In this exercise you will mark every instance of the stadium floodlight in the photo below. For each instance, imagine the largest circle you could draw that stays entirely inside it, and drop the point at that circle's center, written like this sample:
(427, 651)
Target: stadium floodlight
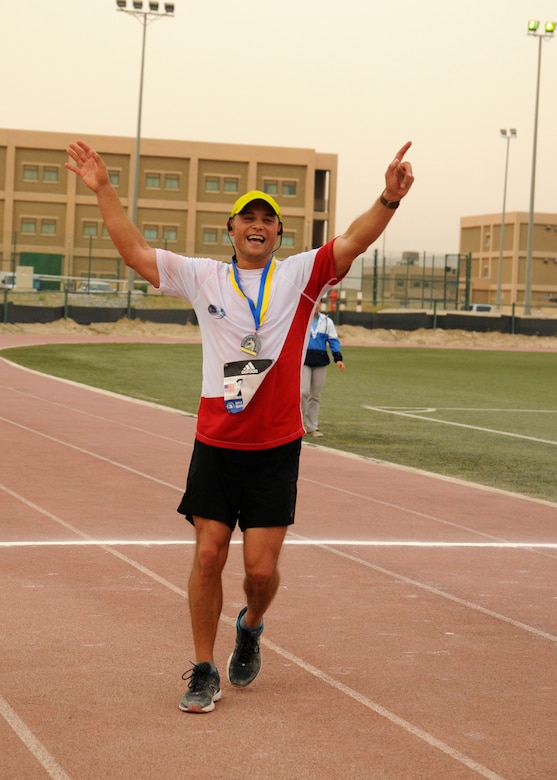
(507, 135)
(549, 29)
(144, 16)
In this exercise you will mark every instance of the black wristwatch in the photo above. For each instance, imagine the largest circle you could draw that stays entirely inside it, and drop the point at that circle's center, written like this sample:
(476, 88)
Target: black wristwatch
(390, 204)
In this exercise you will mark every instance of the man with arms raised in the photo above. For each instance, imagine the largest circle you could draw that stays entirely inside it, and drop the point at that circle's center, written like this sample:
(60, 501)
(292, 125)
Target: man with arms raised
(254, 316)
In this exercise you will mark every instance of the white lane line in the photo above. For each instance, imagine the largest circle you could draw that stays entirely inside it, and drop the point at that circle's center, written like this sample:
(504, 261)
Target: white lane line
(458, 425)
(96, 455)
(109, 420)
(292, 542)
(462, 409)
(34, 745)
(437, 592)
(410, 728)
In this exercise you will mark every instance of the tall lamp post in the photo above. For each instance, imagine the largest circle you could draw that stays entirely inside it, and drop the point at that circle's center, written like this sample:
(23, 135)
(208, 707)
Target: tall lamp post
(150, 14)
(549, 29)
(507, 136)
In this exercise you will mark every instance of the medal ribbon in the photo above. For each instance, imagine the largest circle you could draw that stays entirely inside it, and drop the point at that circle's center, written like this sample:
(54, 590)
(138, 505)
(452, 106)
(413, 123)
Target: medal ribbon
(259, 309)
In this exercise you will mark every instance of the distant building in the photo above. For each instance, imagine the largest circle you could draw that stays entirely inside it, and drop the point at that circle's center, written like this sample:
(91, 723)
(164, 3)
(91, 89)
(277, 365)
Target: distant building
(480, 237)
(49, 219)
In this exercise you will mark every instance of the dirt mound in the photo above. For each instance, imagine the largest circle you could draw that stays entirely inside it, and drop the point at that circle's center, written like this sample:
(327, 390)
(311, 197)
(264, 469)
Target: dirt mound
(349, 335)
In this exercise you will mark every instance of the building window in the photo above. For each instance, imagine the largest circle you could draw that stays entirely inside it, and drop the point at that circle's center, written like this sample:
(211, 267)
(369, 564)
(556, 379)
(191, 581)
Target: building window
(50, 174)
(210, 235)
(288, 239)
(487, 240)
(31, 173)
(270, 187)
(90, 229)
(153, 181)
(28, 225)
(231, 185)
(151, 233)
(171, 181)
(225, 238)
(114, 177)
(289, 189)
(170, 233)
(212, 184)
(48, 227)
(104, 232)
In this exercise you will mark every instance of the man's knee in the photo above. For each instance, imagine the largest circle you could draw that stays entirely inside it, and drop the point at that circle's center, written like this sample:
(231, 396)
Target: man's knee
(211, 550)
(209, 561)
(260, 576)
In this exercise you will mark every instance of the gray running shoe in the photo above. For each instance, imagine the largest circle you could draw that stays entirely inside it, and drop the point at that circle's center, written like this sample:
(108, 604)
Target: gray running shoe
(245, 662)
(203, 689)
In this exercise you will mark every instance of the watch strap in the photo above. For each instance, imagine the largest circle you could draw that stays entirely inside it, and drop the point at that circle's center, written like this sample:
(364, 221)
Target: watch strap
(389, 204)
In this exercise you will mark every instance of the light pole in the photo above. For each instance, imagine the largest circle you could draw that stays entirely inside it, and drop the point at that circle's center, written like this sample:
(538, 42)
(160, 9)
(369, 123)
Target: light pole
(507, 136)
(151, 14)
(549, 29)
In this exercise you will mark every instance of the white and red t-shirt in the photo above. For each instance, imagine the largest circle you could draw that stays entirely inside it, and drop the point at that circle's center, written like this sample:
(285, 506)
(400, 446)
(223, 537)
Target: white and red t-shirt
(268, 383)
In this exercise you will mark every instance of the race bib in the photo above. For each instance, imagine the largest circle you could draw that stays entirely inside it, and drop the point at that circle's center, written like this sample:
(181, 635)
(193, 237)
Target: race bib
(242, 380)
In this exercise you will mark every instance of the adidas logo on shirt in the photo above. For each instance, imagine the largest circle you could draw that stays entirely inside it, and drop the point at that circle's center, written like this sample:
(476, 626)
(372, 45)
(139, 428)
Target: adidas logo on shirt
(249, 368)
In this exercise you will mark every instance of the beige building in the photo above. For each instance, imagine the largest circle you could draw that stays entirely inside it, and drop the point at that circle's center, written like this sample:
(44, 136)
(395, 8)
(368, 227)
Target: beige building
(49, 219)
(481, 237)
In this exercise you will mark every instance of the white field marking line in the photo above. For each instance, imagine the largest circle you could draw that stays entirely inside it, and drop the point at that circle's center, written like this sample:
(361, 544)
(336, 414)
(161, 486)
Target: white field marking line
(384, 410)
(410, 728)
(83, 451)
(438, 592)
(461, 409)
(291, 542)
(45, 759)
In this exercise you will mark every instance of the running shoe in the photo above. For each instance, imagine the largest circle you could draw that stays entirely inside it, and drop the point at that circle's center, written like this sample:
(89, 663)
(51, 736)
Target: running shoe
(203, 689)
(245, 662)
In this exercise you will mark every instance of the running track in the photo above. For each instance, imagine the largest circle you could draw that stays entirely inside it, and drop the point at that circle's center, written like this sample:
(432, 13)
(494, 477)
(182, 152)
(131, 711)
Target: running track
(414, 634)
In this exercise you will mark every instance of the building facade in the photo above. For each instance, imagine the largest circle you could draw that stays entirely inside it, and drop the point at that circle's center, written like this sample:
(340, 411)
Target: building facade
(49, 219)
(481, 238)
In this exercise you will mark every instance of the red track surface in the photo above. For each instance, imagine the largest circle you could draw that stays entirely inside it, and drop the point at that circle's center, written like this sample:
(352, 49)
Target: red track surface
(414, 634)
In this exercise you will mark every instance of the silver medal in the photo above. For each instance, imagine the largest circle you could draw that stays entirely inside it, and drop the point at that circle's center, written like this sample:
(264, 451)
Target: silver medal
(251, 344)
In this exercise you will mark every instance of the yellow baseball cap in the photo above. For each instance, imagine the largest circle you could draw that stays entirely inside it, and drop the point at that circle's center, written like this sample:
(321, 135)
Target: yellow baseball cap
(252, 195)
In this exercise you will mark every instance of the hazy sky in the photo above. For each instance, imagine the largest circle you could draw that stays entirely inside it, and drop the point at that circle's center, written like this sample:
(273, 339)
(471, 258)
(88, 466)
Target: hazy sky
(352, 77)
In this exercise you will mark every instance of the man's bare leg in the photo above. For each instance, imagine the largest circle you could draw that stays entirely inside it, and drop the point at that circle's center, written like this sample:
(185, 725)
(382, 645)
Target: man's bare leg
(262, 548)
(205, 584)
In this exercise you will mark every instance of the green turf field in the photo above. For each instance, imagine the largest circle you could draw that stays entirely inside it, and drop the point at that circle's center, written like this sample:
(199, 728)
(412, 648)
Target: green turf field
(485, 416)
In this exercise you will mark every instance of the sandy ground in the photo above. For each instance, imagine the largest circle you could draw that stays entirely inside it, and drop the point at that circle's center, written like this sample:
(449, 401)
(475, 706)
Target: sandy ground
(349, 335)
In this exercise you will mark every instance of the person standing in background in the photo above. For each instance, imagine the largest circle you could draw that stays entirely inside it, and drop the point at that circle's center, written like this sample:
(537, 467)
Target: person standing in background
(314, 371)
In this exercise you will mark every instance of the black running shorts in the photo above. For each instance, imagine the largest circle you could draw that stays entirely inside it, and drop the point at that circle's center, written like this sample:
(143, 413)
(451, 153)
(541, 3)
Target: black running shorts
(254, 488)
